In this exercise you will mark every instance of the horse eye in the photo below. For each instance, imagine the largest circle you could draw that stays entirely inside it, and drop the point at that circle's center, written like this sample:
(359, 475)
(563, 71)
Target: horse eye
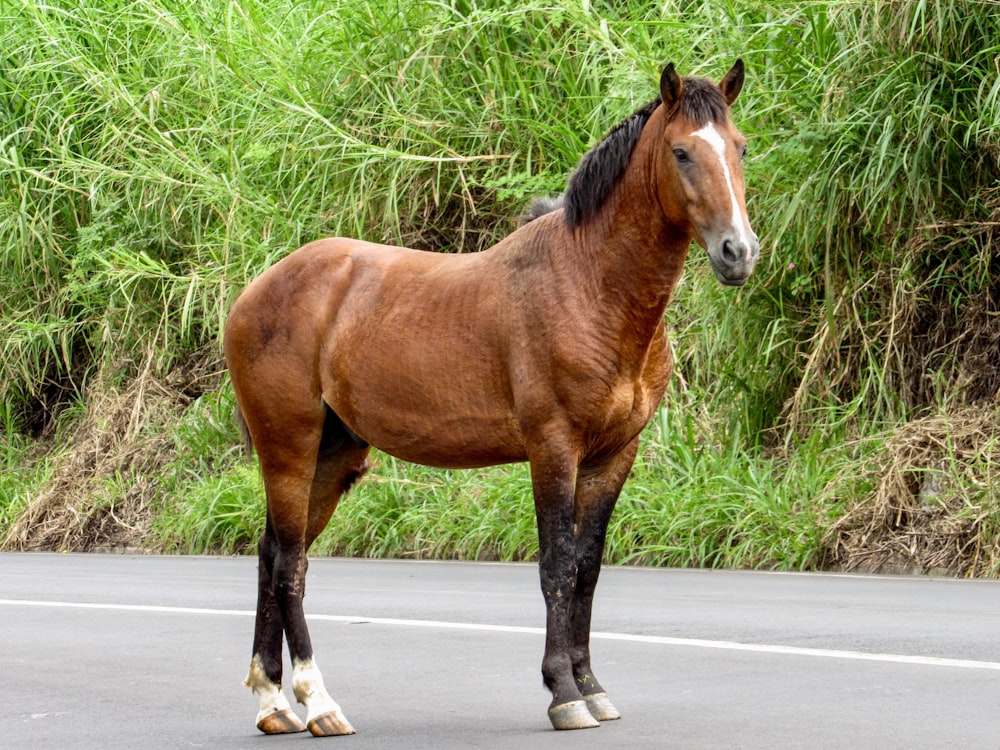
(743, 153)
(681, 155)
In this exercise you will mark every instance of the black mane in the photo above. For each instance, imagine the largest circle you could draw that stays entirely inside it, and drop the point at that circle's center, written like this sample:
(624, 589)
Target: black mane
(600, 168)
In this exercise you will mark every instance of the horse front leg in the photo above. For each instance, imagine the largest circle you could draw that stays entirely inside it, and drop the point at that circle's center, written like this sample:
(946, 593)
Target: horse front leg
(553, 483)
(597, 491)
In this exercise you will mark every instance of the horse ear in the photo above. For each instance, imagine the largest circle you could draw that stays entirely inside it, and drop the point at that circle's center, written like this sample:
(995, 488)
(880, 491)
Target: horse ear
(732, 82)
(671, 87)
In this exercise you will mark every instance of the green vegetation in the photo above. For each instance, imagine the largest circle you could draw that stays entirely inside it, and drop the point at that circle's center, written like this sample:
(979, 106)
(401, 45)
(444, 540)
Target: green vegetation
(156, 155)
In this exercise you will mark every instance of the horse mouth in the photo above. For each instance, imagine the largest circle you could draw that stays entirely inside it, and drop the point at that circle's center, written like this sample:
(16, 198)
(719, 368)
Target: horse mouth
(734, 261)
(733, 282)
(731, 276)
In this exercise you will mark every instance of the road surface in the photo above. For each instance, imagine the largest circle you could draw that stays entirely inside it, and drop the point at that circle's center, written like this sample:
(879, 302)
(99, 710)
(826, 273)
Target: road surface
(107, 651)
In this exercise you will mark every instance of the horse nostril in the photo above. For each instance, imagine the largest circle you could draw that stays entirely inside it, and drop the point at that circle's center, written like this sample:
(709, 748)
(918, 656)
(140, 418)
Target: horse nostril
(730, 254)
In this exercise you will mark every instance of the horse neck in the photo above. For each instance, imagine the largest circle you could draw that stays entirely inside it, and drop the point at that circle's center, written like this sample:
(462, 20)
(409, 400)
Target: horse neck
(629, 252)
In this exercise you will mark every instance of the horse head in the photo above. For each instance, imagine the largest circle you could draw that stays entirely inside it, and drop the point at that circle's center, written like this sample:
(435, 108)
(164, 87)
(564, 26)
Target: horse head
(699, 170)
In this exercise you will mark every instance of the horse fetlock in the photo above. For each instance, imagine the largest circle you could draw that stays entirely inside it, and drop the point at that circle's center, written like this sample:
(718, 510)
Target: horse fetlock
(275, 715)
(588, 684)
(324, 715)
(307, 683)
(258, 681)
(598, 703)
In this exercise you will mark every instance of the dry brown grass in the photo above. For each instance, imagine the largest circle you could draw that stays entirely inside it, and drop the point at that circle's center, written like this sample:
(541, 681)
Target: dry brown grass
(104, 483)
(934, 503)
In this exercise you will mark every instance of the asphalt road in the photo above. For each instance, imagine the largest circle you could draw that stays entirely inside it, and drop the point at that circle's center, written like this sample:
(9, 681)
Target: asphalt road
(102, 652)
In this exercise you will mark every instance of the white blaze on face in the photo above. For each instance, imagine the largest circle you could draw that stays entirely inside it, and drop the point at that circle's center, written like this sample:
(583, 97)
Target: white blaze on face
(711, 136)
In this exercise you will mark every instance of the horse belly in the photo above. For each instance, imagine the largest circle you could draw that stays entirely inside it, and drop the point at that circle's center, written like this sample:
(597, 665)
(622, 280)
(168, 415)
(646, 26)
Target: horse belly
(449, 451)
(413, 361)
(422, 410)
(435, 433)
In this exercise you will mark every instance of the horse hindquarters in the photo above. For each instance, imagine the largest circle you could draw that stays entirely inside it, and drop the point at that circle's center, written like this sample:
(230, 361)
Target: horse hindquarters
(307, 461)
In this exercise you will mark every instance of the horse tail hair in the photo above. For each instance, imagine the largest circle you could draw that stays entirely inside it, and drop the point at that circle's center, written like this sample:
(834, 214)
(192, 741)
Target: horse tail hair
(541, 206)
(241, 422)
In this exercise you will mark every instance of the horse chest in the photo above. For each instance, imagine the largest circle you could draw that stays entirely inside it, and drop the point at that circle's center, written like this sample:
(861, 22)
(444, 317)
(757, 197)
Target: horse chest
(621, 405)
(622, 402)
(619, 415)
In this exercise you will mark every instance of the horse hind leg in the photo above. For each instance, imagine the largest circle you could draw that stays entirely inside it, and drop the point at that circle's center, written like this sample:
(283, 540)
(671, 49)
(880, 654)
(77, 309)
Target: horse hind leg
(341, 461)
(304, 479)
(264, 678)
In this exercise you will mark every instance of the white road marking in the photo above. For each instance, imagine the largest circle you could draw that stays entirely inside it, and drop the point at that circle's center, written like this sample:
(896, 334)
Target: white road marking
(924, 661)
(711, 136)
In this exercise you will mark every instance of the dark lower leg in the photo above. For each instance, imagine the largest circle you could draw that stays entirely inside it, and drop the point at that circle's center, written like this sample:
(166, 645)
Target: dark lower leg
(324, 716)
(558, 579)
(596, 494)
(289, 577)
(336, 469)
(268, 627)
(275, 715)
(589, 551)
(557, 571)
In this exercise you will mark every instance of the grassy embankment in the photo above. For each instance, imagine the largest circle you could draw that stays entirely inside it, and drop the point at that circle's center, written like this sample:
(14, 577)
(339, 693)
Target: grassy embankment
(156, 155)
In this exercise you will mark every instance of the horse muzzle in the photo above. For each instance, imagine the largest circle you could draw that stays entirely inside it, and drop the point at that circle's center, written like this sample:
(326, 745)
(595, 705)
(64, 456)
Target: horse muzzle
(734, 258)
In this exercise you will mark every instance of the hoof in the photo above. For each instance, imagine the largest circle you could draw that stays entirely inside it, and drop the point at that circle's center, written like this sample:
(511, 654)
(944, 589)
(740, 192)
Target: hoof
(281, 722)
(601, 707)
(572, 715)
(330, 724)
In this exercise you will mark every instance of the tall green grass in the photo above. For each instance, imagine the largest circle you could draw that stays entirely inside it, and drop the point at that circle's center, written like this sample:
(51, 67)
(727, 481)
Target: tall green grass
(157, 155)
(895, 173)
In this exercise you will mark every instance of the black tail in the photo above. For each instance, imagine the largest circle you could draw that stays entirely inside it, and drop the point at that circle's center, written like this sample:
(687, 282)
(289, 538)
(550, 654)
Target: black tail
(241, 422)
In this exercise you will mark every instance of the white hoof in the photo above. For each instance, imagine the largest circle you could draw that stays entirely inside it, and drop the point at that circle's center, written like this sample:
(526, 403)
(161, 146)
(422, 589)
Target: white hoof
(601, 707)
(572, 715)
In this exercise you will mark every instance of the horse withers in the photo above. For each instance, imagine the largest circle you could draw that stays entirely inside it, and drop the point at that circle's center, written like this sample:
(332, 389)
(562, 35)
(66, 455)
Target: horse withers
(548, 348)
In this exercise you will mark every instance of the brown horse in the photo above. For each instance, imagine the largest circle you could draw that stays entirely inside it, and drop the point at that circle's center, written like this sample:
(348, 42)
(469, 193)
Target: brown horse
(548, 348)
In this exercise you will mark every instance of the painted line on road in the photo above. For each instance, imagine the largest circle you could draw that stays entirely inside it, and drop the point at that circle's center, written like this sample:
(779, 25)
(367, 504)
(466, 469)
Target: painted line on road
(925, 661)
